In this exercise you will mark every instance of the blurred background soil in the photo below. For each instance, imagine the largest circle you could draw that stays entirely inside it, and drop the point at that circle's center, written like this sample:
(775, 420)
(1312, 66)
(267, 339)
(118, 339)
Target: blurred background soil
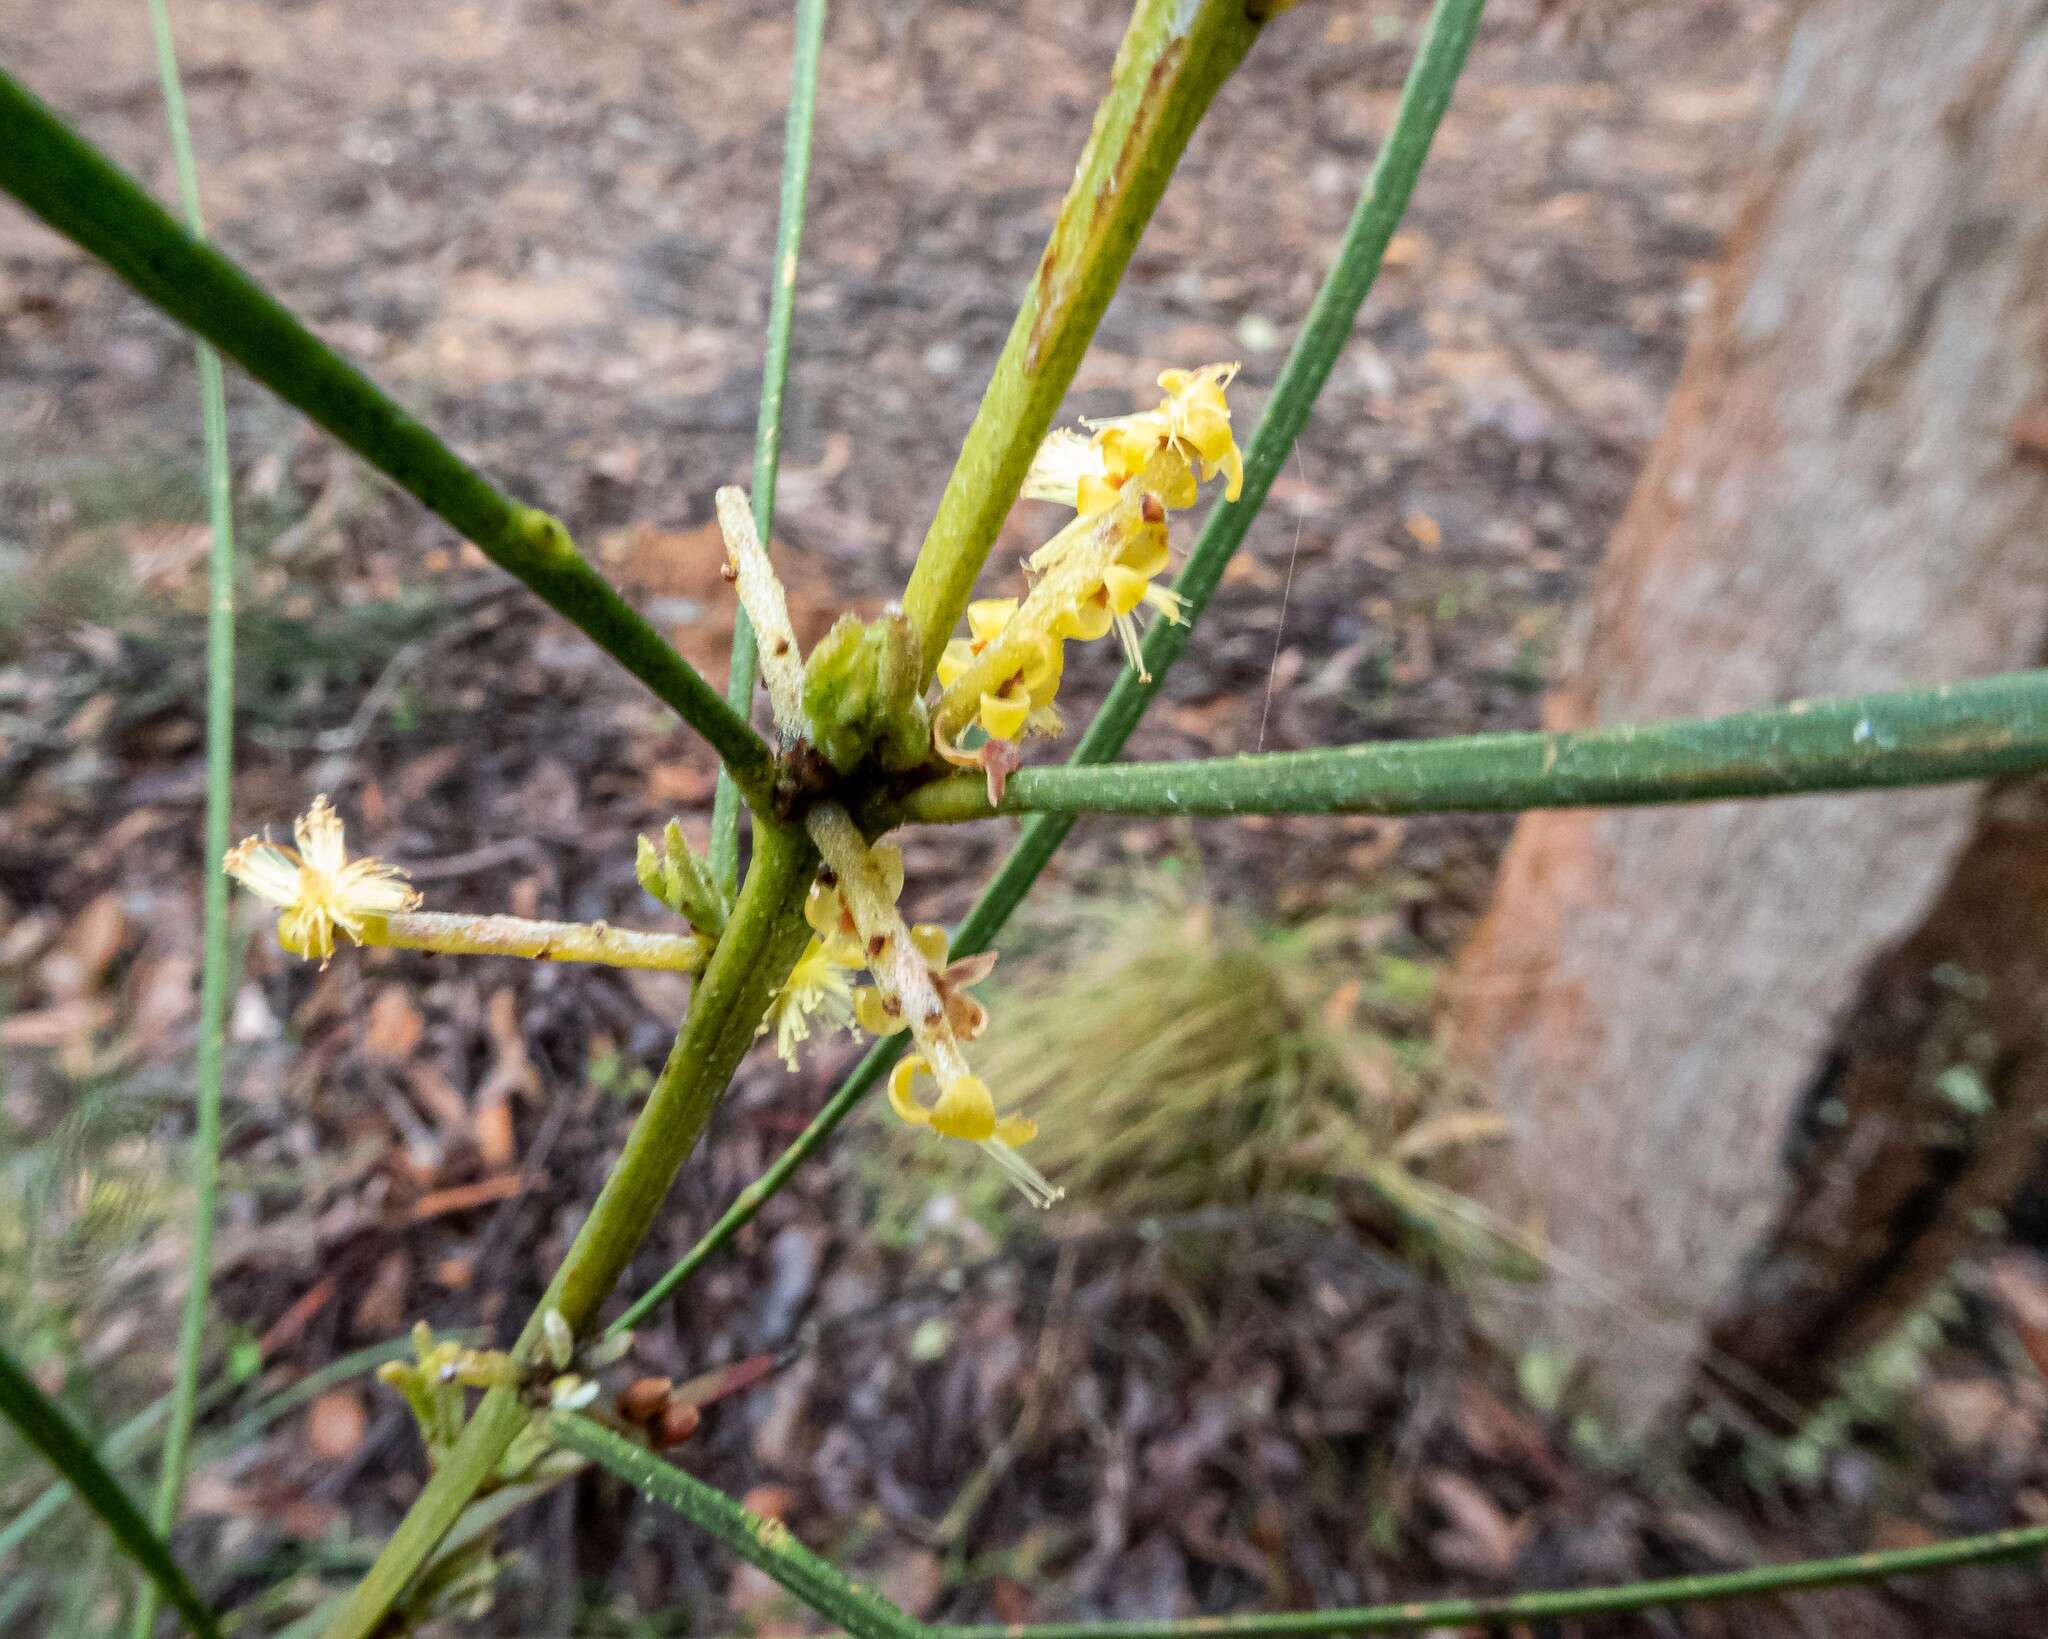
(1236, 1371)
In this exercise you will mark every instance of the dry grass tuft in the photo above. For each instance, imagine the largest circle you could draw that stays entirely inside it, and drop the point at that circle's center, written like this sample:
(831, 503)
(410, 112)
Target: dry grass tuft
(1179, 1056)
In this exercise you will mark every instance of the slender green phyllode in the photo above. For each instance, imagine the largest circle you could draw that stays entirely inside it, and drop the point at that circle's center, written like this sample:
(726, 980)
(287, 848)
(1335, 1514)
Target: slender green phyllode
(1439, 59)
(1985, 729)
(44, 1426)
(220, 751)
(1559, 1605)
(789, 233)
(1174, 56)
(83, 195)
(765, 1544)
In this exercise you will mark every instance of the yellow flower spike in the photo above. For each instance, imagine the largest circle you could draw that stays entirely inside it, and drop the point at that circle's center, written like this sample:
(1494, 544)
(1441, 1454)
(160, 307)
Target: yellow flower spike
(901, 1099)
(316, 886)
(965, 1110)
(1002, 716)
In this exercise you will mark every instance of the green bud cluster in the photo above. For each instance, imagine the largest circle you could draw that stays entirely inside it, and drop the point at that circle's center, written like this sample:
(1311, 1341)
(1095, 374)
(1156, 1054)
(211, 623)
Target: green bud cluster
(677, 878)
(864, 695)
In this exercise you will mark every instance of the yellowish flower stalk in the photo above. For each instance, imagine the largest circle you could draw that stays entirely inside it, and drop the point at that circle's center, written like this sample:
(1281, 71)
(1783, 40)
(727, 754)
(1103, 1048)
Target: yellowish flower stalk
(320, 891)
(915, 989)
(909, 988)
(452, 934)
(782, 663)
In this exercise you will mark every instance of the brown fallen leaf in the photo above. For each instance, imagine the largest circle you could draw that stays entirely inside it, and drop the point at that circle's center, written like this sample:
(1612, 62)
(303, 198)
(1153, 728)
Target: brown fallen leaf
(335, 1424)
(393, 1027)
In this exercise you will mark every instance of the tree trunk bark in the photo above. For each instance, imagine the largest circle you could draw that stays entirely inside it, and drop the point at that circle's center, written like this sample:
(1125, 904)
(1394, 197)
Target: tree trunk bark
(1919, 1129)
(1847, 494)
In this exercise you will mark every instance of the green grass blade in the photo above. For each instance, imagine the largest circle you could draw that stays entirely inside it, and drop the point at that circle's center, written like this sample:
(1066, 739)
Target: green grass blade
(789, 234)
(82, 194)
(220, 752)
(45, 1427)
(1446, 42)
(1562, 1605)
(128, 1439)
(1985, 729)
(765, 1544)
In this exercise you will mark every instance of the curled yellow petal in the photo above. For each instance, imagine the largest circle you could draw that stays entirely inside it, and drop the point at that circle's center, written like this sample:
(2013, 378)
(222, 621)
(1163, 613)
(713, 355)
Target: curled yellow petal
(1126, 588)
(901, 1100)
(1231, 465)
(1145, 551)
(966, 1109)
(1088, 620)
(871, 1011)
(1003, 716)
(958, 656)
(930, 940)
(986, 617)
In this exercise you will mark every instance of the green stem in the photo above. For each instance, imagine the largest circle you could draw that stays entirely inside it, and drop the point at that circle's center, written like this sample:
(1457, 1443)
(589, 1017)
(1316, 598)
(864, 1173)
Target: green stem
(1557, 1606)
(761, 943)
(1438, 61)
(1989, 728)
(220, 755)
(1174, 56)
(45, 1427)
(762, 1543)
(789, 234)
(83, 195)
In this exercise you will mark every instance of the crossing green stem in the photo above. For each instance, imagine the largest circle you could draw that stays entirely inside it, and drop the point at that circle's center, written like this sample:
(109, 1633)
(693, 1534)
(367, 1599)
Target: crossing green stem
(1962, 731)
(789, 233)
(81, 193)
(220, 756)
(765, 1544)
(1439, 58)
(1557, 1606)
(42, 1423)
(760, 944)
(1173, 57)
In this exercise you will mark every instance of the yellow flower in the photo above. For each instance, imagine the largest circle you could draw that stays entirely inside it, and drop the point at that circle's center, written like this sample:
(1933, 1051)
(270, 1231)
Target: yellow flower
(965, 1109)
(817, 988)
(1023, 700)
(1194, 418)
(1073, 471)
(316, 886)
(1198, 420)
